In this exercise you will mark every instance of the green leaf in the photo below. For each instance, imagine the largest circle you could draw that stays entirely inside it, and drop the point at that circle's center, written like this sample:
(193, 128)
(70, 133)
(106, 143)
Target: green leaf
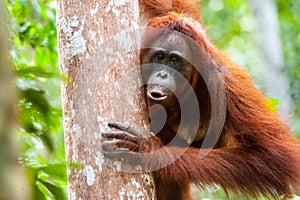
(272, 104)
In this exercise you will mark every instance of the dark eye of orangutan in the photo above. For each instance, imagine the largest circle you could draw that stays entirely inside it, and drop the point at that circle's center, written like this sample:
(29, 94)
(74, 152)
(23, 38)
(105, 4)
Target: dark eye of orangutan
(174, 60)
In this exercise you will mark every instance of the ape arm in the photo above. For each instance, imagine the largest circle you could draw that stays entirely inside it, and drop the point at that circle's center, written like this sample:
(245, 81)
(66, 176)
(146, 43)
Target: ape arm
(242, 170)
(248, 169)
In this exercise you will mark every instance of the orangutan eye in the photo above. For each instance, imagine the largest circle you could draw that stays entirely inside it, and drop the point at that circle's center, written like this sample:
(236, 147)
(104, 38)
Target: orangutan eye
(173, 60)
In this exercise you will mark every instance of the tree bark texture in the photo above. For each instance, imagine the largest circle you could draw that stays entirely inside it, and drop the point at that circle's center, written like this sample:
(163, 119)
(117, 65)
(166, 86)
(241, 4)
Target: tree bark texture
(98, 56)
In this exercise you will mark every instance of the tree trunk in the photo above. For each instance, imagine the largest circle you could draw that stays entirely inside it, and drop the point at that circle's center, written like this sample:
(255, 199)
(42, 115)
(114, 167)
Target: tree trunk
(268, 39)
(101, 83)
(13, 184)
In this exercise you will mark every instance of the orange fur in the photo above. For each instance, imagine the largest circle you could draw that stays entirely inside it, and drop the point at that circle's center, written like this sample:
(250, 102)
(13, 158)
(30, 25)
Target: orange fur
(152, 8)
(256, 155)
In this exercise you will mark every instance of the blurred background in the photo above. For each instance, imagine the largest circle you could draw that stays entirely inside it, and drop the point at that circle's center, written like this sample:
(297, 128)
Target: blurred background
(262, 36)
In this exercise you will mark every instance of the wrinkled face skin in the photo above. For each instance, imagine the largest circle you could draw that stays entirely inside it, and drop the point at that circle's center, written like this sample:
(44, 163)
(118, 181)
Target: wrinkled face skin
(165, 69)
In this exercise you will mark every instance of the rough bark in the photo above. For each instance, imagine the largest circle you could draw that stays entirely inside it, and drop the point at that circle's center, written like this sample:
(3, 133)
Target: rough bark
(268, 39)
(13, 185)
(99, 65)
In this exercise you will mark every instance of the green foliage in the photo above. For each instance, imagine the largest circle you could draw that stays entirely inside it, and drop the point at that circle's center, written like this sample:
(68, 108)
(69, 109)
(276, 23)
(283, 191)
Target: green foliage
(272, 104)
(289, 15)
(34, 59)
